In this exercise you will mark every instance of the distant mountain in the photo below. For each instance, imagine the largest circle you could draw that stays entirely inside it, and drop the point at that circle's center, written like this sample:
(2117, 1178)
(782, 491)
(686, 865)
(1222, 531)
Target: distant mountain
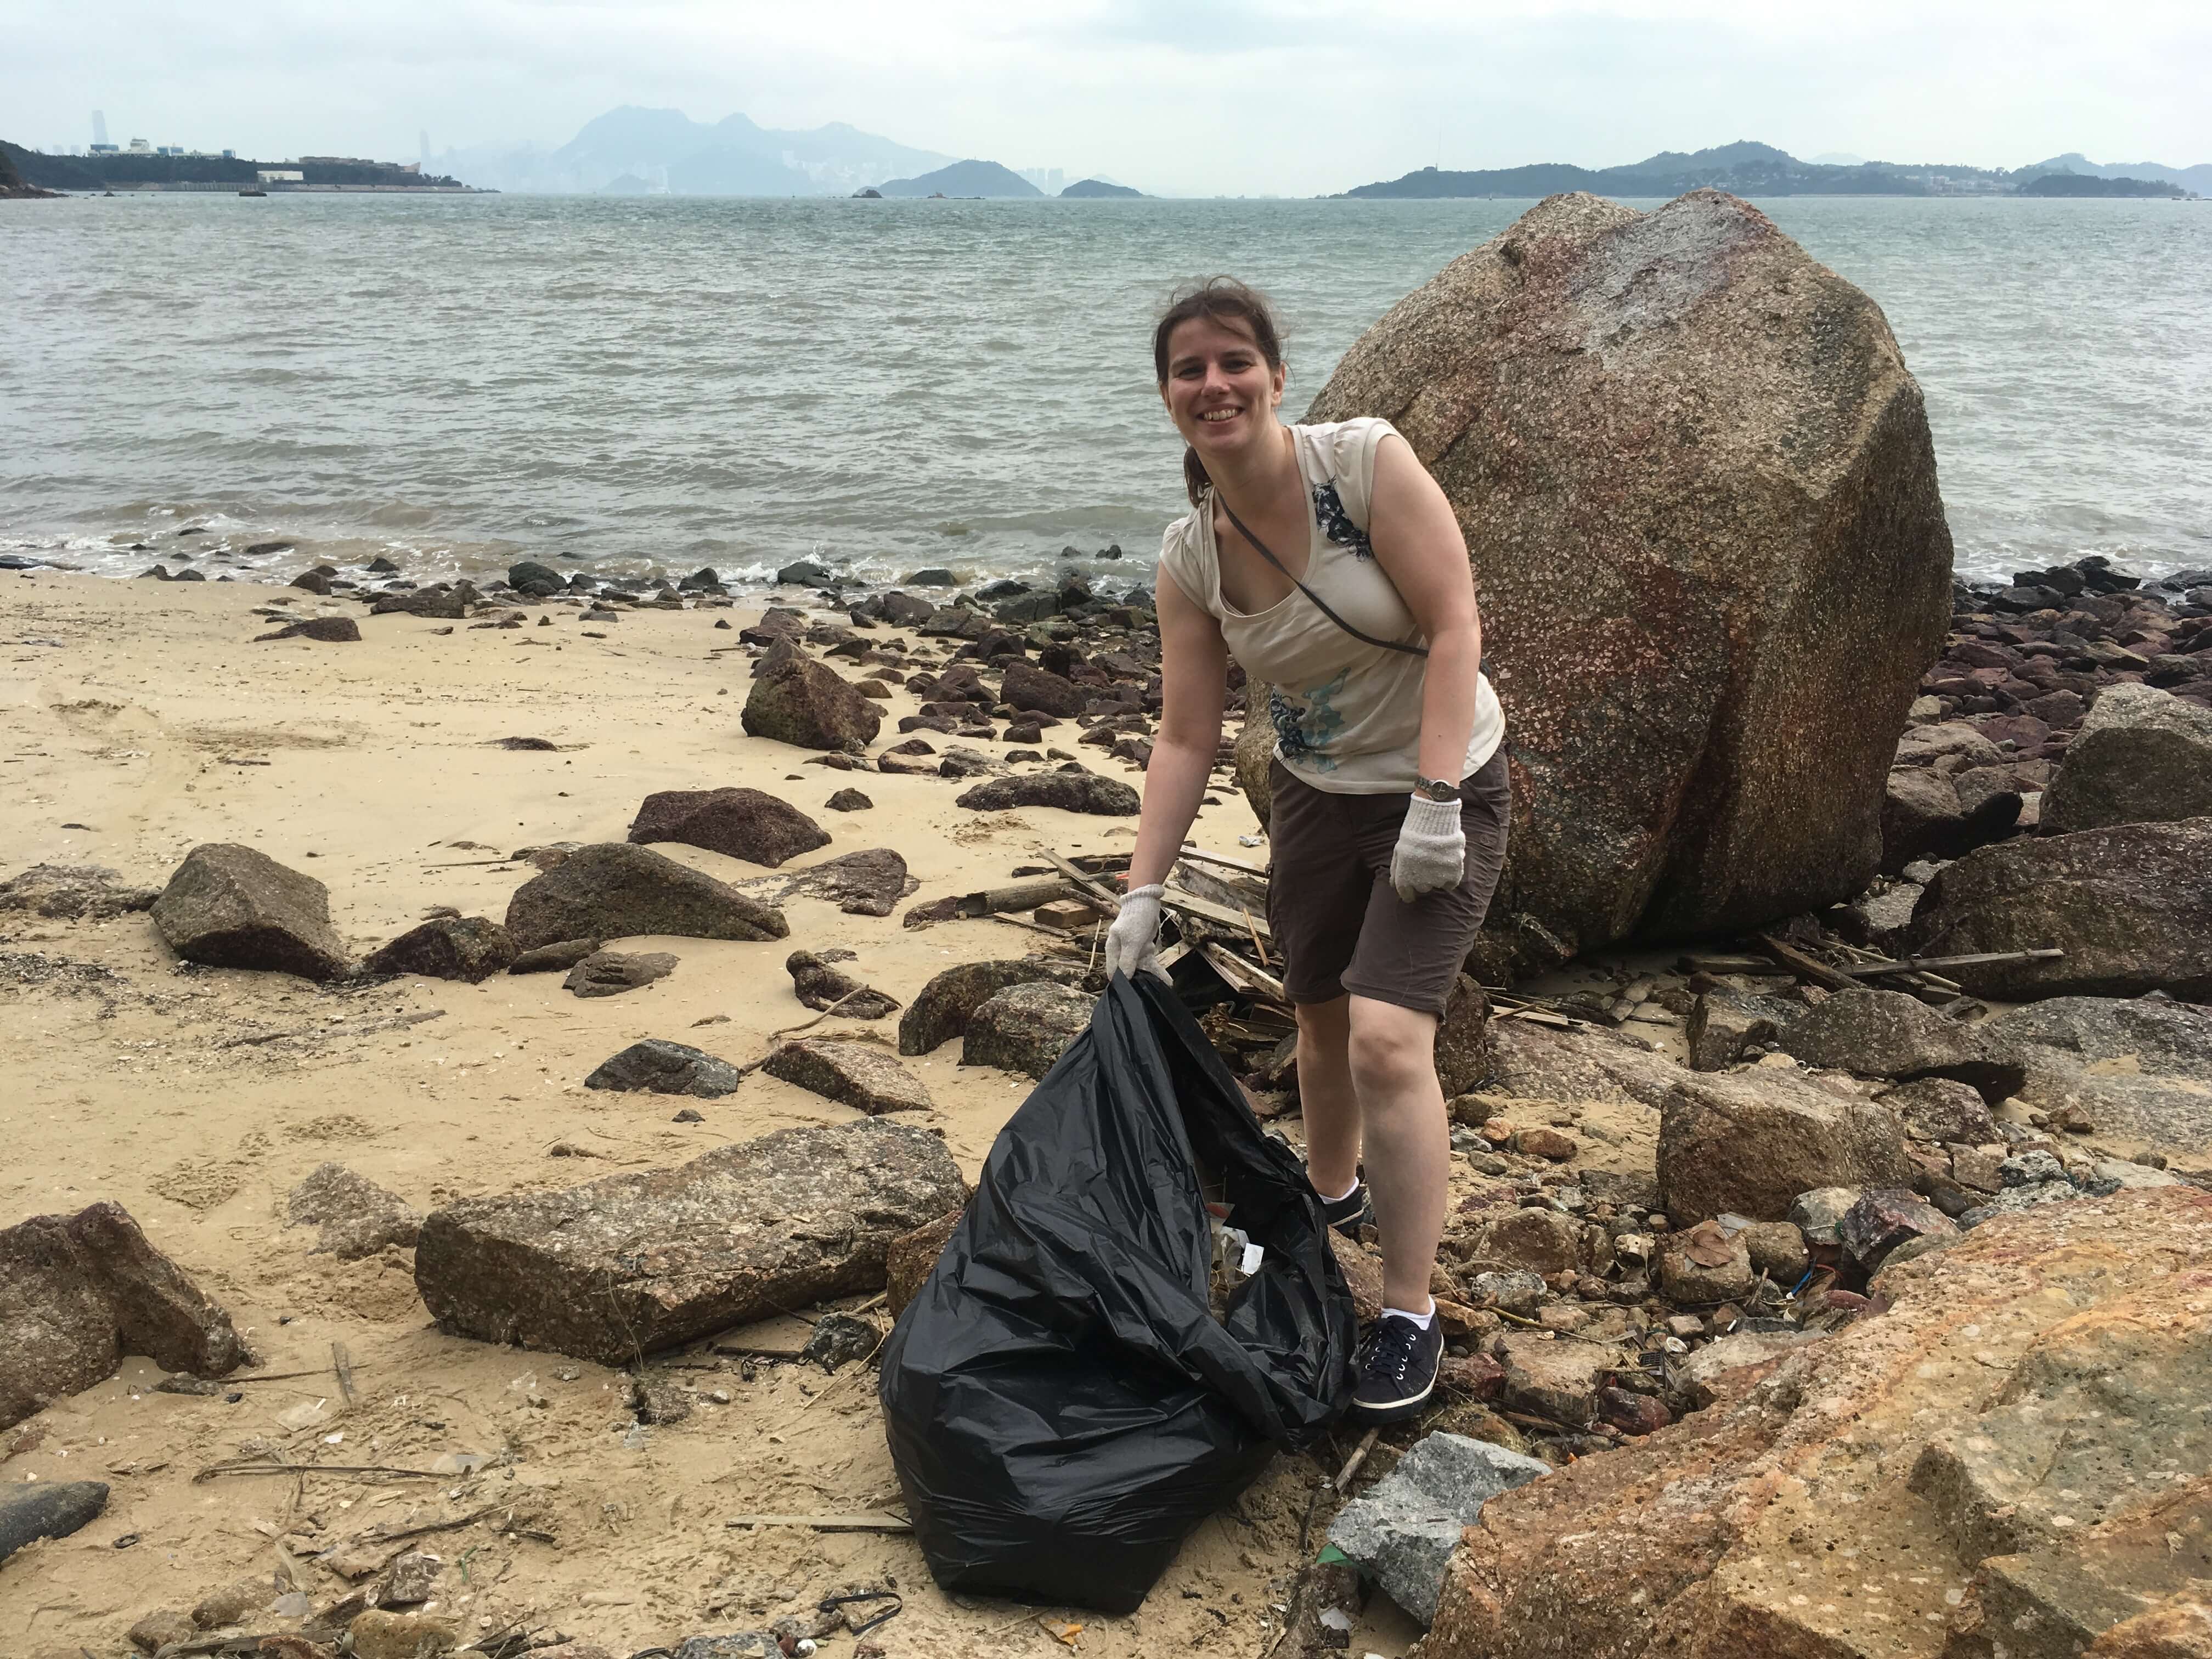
(2197, 178)
(1098, 187)
(964, 179)
(1754, 169)
(632, 149)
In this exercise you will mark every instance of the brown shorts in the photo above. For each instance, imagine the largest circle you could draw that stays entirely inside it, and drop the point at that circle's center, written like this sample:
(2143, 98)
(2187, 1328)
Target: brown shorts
(1338, 924)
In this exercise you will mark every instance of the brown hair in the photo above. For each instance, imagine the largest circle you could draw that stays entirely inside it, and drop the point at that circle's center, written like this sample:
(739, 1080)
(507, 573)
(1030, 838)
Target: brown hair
(1220, 300)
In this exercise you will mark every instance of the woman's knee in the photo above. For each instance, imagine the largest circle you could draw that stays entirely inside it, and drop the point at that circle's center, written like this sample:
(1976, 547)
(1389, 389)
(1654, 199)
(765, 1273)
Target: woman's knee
(1391, 1049)
(1326, 1023)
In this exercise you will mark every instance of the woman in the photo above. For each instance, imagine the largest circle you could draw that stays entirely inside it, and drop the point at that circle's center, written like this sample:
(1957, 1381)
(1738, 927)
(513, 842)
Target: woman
(1328, 561)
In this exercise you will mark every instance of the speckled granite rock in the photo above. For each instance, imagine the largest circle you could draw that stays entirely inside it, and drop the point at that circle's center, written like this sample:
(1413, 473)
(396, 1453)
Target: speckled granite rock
(231, 907)
(635, 1262)
(1700, 500)
(614, 890)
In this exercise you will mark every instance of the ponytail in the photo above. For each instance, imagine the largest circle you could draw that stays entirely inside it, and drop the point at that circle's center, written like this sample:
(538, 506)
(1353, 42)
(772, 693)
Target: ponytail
(1195, 480)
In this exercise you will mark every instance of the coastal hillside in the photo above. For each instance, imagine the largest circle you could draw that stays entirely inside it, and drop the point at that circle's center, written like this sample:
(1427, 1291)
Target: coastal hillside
(964, 179)
(36, 171)
(1744, 168)
(1098, 187)
(2075, 184)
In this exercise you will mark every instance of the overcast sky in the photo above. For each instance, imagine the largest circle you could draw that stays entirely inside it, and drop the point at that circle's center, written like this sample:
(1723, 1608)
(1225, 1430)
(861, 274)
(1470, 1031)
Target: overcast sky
(1176, 96)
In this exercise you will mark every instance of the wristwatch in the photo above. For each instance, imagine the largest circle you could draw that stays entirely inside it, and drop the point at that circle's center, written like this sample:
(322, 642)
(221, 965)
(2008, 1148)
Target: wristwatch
(1435, 789)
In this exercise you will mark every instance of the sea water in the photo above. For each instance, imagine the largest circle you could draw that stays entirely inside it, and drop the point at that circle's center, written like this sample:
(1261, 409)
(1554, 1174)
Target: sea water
(659, 384)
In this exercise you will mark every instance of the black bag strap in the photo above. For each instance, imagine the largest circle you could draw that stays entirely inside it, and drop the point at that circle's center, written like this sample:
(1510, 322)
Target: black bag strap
(1245, 531)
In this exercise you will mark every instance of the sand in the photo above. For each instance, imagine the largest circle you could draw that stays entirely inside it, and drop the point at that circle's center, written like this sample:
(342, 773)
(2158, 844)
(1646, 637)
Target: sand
(142, 721)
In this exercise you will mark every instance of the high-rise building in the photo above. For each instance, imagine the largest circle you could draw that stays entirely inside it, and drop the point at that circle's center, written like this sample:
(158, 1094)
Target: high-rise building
(100, 128)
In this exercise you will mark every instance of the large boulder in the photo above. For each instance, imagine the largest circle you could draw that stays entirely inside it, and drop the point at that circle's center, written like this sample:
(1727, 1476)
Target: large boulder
(79, 1291)
(231, 907)
(1888, 1033)
(632, 1263)
(1698, 489)
(1944, 1480)
(745, 823)
(800, 701)
(2142, 755)
(616, 890)
(1751, 1142)
(2131, 906)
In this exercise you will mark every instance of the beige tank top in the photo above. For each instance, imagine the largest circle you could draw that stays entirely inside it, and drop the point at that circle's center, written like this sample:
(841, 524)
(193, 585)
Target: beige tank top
(1346, 715)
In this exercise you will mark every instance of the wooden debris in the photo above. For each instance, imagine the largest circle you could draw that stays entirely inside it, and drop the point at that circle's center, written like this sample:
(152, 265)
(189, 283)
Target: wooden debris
(863, 1521)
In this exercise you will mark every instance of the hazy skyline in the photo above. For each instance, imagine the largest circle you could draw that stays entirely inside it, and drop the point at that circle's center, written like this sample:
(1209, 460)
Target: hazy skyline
(1297, 97)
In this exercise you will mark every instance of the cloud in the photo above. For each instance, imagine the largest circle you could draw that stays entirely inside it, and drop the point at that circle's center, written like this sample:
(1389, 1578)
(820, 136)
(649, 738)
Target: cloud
(1289, 96)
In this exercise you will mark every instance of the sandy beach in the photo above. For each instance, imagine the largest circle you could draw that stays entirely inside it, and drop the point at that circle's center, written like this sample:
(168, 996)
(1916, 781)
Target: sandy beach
(144, 720)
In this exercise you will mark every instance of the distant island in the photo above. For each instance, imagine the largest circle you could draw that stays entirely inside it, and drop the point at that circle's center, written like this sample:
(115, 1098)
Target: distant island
(2075, 184)
(964, 179)
(1747, 168)
(11, 177)
(1099, 187)
(149, 169)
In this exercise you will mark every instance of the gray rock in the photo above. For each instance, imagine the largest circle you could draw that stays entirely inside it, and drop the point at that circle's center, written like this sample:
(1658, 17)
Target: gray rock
(1890, 1035)
(1923, 817)
(356, 1217)
(2142, 755)
(1537, 1063)
(1685, 1280)
(1723, 1023)
(614, 890)
(1025, 1028)
(942, 1010)
(839, 1339)
(868, 882)
(1403, 1531)
(1462, 1050)
(231, 907)
(666, 1068)
(1516, 1291)
(30, 1510)
(1942, 1108)
(470, 949)
(1878, 917)
(1924, 746)
(741, 824)
(849, 800)
(1028, 687)
(819, 984)
(802, 702)
(1750, 1144)
(78, 1291)
(858, 1074)
(412, 1578)
(1551, 1377)
(1778, 1249)
(554, 958)
(610, 973)
(1070, 792)
(2133, 1069)
(1818, 1214)
(1699, 1375)
(637, 1262)
(70, 891)
(2131, 906)
(1555, 368)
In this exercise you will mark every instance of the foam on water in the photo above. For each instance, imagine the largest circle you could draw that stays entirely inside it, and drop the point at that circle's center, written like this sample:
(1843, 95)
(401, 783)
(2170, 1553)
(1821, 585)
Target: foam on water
(651, 386)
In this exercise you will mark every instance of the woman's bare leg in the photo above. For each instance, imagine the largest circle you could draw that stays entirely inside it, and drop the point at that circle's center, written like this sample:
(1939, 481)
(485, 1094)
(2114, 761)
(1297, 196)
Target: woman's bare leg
(1391, 1058)
(1326, 1098)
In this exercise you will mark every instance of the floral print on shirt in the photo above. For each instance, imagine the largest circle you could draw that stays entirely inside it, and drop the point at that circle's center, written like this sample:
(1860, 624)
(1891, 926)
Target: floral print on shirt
(1336, 524)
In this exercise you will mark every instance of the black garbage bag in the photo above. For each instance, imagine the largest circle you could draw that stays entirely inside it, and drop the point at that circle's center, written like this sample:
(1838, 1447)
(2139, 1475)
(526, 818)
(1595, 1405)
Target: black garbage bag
(1063, 1405)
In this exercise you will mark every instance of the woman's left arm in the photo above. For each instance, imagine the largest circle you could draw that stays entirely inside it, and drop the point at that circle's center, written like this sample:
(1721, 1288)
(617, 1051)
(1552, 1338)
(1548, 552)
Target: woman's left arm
(1417, 543)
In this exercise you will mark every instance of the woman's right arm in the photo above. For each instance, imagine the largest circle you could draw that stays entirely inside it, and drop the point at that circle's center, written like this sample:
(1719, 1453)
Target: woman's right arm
(1194, 679)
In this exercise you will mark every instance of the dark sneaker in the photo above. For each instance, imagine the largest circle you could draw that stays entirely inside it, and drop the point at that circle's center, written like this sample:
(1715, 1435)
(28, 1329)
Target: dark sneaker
(1398, 1364)
(1348, 1214)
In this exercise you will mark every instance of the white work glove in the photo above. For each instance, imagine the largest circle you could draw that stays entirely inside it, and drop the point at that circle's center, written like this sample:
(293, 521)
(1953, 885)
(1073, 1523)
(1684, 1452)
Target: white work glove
(1432, 851)
(1133, 943)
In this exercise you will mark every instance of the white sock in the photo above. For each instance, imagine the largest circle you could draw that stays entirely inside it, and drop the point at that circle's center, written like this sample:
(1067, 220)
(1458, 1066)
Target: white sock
(1339, 1197)
(1424, 1319)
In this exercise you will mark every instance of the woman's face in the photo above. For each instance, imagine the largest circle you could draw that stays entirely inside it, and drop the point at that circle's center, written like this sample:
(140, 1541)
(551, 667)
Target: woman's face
(1219, 388)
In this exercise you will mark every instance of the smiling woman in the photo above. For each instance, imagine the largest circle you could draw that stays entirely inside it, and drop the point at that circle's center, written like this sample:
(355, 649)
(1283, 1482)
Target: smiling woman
(1328, 561)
